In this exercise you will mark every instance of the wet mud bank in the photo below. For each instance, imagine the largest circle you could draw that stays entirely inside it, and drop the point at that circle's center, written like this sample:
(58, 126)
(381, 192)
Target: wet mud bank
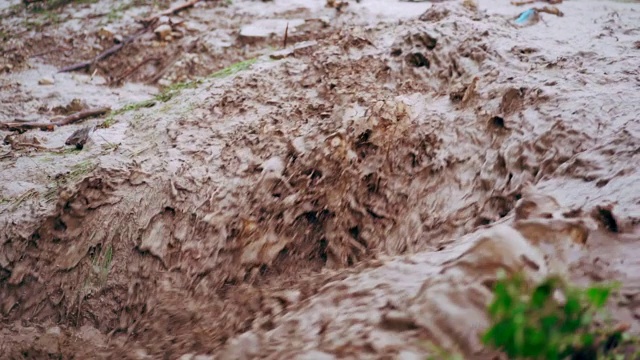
(350, 197)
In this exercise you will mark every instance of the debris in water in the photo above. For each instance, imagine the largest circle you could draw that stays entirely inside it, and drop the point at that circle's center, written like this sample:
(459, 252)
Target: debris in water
(528, 17)
(550, 10)
(532, 16)
(79, 137)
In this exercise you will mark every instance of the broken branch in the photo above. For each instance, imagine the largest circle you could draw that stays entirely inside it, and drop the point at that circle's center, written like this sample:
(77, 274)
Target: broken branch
(22, 126)
(147, 22)
(112, 50)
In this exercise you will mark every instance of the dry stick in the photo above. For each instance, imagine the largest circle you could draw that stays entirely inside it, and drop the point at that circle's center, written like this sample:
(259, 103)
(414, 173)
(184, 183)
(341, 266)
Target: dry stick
(82, 115)
(112, 50)
(20, 126)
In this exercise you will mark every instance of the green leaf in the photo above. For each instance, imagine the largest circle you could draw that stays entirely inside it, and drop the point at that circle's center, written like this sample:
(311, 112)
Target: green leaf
(598, 296)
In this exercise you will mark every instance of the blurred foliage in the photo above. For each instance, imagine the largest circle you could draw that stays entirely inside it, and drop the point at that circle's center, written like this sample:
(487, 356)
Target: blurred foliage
(554, 321)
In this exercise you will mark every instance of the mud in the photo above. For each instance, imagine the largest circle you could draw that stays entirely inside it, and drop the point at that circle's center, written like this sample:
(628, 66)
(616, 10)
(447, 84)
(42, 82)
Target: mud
(348, 197)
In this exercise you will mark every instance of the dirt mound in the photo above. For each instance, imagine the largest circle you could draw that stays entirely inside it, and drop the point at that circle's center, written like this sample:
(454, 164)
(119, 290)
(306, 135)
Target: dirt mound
(279, 203)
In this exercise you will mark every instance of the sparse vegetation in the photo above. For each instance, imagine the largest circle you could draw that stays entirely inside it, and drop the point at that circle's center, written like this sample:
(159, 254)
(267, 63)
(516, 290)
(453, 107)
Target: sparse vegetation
(24, 197)
(75, 173)
(553, 321)
(102, 265)
(233, 69)
(175, 89)
(110, 120)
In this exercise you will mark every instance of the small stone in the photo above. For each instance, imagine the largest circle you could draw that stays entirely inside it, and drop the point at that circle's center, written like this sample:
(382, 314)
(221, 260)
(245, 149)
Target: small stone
(47, 80)
(163, 31)
(118, 38)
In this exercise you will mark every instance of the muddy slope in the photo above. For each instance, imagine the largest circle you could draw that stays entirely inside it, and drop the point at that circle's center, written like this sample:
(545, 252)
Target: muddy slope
(227, 209)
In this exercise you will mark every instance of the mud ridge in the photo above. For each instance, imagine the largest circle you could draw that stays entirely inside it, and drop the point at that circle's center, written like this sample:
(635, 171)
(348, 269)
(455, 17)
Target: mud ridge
(353, 178)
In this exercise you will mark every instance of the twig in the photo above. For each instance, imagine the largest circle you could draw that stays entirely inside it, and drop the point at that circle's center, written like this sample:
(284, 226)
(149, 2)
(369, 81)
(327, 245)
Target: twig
(173, 10)
(286, 33)
(147, 22)
(112, 50)
(82, 115)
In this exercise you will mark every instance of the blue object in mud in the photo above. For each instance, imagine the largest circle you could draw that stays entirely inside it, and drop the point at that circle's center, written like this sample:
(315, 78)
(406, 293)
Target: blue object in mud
(525, 16)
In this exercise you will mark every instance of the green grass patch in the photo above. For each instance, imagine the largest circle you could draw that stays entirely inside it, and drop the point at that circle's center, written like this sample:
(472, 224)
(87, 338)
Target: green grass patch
(176, 89)
(111, 118)
(233, 69)
(169, 92)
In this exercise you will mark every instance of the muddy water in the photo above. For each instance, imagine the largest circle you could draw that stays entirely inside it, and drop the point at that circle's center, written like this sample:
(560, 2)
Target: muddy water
(347, 201)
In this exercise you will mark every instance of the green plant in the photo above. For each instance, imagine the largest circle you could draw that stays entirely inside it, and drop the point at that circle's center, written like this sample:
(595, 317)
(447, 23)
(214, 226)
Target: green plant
(531, 322)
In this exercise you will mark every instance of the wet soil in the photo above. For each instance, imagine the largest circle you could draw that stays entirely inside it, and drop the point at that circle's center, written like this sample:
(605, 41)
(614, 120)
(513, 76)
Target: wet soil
(348, 195)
